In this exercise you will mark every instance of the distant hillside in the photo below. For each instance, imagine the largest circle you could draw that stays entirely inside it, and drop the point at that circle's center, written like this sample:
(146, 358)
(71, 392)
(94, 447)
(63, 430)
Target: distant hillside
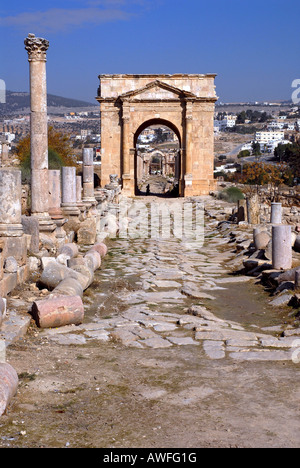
(17, 101)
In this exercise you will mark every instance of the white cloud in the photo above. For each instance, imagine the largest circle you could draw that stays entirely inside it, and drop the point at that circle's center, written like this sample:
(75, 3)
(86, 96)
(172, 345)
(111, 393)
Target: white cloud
(59, 19)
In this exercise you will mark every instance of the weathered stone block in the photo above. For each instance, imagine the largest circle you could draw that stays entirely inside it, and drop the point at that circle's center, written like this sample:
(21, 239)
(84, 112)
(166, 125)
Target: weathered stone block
(86, 234)
(31, 226)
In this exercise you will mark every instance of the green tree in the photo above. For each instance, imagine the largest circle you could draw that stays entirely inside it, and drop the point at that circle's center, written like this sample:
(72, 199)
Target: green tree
(244, 154)
(242, 116)
(256, 149)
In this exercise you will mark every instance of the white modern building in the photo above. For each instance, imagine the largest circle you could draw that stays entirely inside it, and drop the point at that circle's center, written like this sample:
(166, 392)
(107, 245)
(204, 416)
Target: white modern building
(271, 146)
(247, 146)
(269, 140)
(227, 168)
(228, 121)
(266, 137)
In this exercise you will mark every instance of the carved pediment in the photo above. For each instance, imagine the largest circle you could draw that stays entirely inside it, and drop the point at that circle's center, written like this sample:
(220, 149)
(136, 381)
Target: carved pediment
(156, 90)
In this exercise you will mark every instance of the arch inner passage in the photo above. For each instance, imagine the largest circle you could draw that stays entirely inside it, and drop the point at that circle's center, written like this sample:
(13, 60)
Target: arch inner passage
(157, 161)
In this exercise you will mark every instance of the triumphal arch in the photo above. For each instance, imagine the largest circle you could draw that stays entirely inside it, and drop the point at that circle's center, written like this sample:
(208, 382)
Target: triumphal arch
(184, 103)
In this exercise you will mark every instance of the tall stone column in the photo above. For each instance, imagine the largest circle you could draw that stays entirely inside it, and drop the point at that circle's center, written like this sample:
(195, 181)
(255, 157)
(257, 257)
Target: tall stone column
(282, 255)
(55, 210)
(188, 176)
(127, 177)
(88, 196)
(82, 206)
(188, 145)
(252, 204)
(69, 195)
(5, 158)
(55, 193)
(10, 203)
(78, 189)
(12, 240)
(37, 48)
(126, 149)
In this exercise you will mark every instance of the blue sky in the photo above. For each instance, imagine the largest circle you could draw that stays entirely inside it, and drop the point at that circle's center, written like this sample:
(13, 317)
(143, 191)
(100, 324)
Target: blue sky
(253, 46)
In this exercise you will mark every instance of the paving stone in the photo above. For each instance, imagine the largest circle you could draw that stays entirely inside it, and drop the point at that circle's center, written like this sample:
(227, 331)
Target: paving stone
(182, 341)
(123, 336)
(69, 339)
(234, 279)
(209, 335)
(164, 327)
(273, 342)
(224, 335)
(202, 312)
(262, 355)
(100, 335)
(214, 349)
(166, 284)
(157, 342)
(196, 293)
(143, 333)
(241, 343)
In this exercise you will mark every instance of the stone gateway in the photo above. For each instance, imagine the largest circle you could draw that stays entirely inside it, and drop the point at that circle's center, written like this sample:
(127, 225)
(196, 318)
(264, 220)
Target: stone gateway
(184, 103)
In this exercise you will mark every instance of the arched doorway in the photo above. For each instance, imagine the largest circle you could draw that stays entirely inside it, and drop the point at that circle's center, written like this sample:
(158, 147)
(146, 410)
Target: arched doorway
(157, 158)
(185, 103)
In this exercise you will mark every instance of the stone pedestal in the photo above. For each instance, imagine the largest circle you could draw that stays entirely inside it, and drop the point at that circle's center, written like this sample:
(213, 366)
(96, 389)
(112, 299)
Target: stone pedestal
(276, 213)
(69, 198)
(37, 48)
(282, 247)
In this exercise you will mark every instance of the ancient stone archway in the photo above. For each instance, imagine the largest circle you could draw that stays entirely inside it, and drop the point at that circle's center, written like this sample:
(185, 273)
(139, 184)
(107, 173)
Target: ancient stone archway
(184, 103)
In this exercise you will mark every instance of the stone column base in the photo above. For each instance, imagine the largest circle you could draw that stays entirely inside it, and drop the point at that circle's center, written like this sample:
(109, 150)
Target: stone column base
(46, 224)
(128, 189)
(11, 230)
(70, 209)
(194, 188)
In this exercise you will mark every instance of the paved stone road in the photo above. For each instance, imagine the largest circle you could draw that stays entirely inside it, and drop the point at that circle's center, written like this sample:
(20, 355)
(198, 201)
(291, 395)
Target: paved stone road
(160, 293)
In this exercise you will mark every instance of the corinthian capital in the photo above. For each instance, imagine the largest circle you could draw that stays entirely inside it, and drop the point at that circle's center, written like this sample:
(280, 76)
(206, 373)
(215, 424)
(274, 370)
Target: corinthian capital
(36, 47)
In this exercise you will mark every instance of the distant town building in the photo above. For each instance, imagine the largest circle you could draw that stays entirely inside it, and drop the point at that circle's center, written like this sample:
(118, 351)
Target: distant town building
(228, 121)
(264, 137)
(7, 137)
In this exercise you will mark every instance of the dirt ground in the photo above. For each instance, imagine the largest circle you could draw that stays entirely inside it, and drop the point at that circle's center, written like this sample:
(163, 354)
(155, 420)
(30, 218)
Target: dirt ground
(108, 395)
